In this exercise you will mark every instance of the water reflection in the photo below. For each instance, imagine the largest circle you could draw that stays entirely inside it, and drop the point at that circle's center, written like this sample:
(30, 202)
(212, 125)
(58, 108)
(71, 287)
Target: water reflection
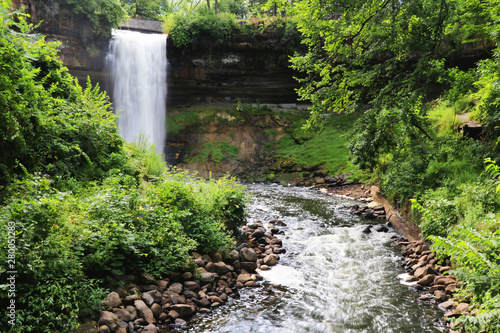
(333, 277)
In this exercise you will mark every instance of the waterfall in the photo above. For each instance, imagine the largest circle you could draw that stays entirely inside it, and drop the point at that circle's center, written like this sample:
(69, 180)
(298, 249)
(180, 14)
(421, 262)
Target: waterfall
(137, 63)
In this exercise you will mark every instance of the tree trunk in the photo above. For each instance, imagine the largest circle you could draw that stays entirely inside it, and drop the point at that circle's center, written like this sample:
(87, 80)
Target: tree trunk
(275, 9)
(216, 7)
(208, 4)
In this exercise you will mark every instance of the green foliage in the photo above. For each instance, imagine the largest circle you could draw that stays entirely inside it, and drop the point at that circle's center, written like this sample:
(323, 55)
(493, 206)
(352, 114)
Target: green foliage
(103, 15)
(463, 224)
(419, 165)
(48, 123)
(327, 146)
(200, 29)
(101, 209)
(476, 255)
(217, 152)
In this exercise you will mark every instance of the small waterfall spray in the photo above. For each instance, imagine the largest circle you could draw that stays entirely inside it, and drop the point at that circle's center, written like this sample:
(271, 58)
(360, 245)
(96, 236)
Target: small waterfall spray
(138, 66)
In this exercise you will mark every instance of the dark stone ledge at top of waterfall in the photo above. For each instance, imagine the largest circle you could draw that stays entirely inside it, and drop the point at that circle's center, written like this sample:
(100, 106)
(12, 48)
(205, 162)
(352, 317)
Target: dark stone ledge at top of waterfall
(432, 277)
(143, 25)
(144, 304)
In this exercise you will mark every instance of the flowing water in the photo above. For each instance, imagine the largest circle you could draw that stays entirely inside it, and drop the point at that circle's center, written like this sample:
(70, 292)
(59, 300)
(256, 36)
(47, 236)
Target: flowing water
(137, 63)
(333, 277)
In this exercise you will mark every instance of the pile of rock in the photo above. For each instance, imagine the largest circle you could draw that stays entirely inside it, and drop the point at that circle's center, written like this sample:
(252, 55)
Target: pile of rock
(145, 305)
(431, 278)
(376, 212)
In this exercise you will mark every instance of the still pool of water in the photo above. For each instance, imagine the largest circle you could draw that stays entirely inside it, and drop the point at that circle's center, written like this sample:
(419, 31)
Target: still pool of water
(333, 277)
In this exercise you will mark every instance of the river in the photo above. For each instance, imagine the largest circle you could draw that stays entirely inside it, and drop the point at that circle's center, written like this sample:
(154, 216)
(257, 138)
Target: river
(333, 278)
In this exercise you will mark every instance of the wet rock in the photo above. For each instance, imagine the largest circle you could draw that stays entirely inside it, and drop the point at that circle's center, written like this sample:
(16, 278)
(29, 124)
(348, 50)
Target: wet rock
(368, 230)
(270, 260)
(381, 228)
(426, 280)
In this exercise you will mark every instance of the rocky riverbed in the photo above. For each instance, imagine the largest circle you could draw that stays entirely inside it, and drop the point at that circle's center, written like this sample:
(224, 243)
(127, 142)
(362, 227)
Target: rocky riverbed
(146, 305)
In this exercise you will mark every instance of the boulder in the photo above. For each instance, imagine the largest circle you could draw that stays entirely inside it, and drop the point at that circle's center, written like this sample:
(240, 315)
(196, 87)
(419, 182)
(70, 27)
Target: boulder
(176, 288)
(113, 300)
(222, 268)
(270, 260)
(192, 286)
(148, 278)
(144, 312)
(248, 254)
(150, 329)
(184, 310)
(109, 319)
(104, 329)
(427, 280)
(156, 309)
(148, 299)
(162, 285)
(248, 266)
(123, 314)
(244, 278)
(462, 308)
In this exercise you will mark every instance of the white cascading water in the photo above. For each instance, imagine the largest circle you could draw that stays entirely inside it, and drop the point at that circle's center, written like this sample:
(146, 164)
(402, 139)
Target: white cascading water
(138, 66)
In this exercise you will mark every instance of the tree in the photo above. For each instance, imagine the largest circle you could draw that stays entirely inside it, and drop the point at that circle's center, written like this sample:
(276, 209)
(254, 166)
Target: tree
(380, 59)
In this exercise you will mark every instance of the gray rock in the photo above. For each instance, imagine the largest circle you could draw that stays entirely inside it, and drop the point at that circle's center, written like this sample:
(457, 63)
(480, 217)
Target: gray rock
(244, 278)
(248, 254)
(156, 295)
(123, 315)
(270, 260)
(381, 228)
(132, 311)
(156, 309)
(148, 299)
(222, 268)
(248, 266)
(192, 286)
(209, 277)
(113, 300)
(108, 319)
(144, 312)
(150, 329)
(184, 310)
(176, 288)
(148, 278)
(104, 329)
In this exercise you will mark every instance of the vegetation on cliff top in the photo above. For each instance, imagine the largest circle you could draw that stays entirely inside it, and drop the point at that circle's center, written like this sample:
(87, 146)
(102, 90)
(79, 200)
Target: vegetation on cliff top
(80, 209)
